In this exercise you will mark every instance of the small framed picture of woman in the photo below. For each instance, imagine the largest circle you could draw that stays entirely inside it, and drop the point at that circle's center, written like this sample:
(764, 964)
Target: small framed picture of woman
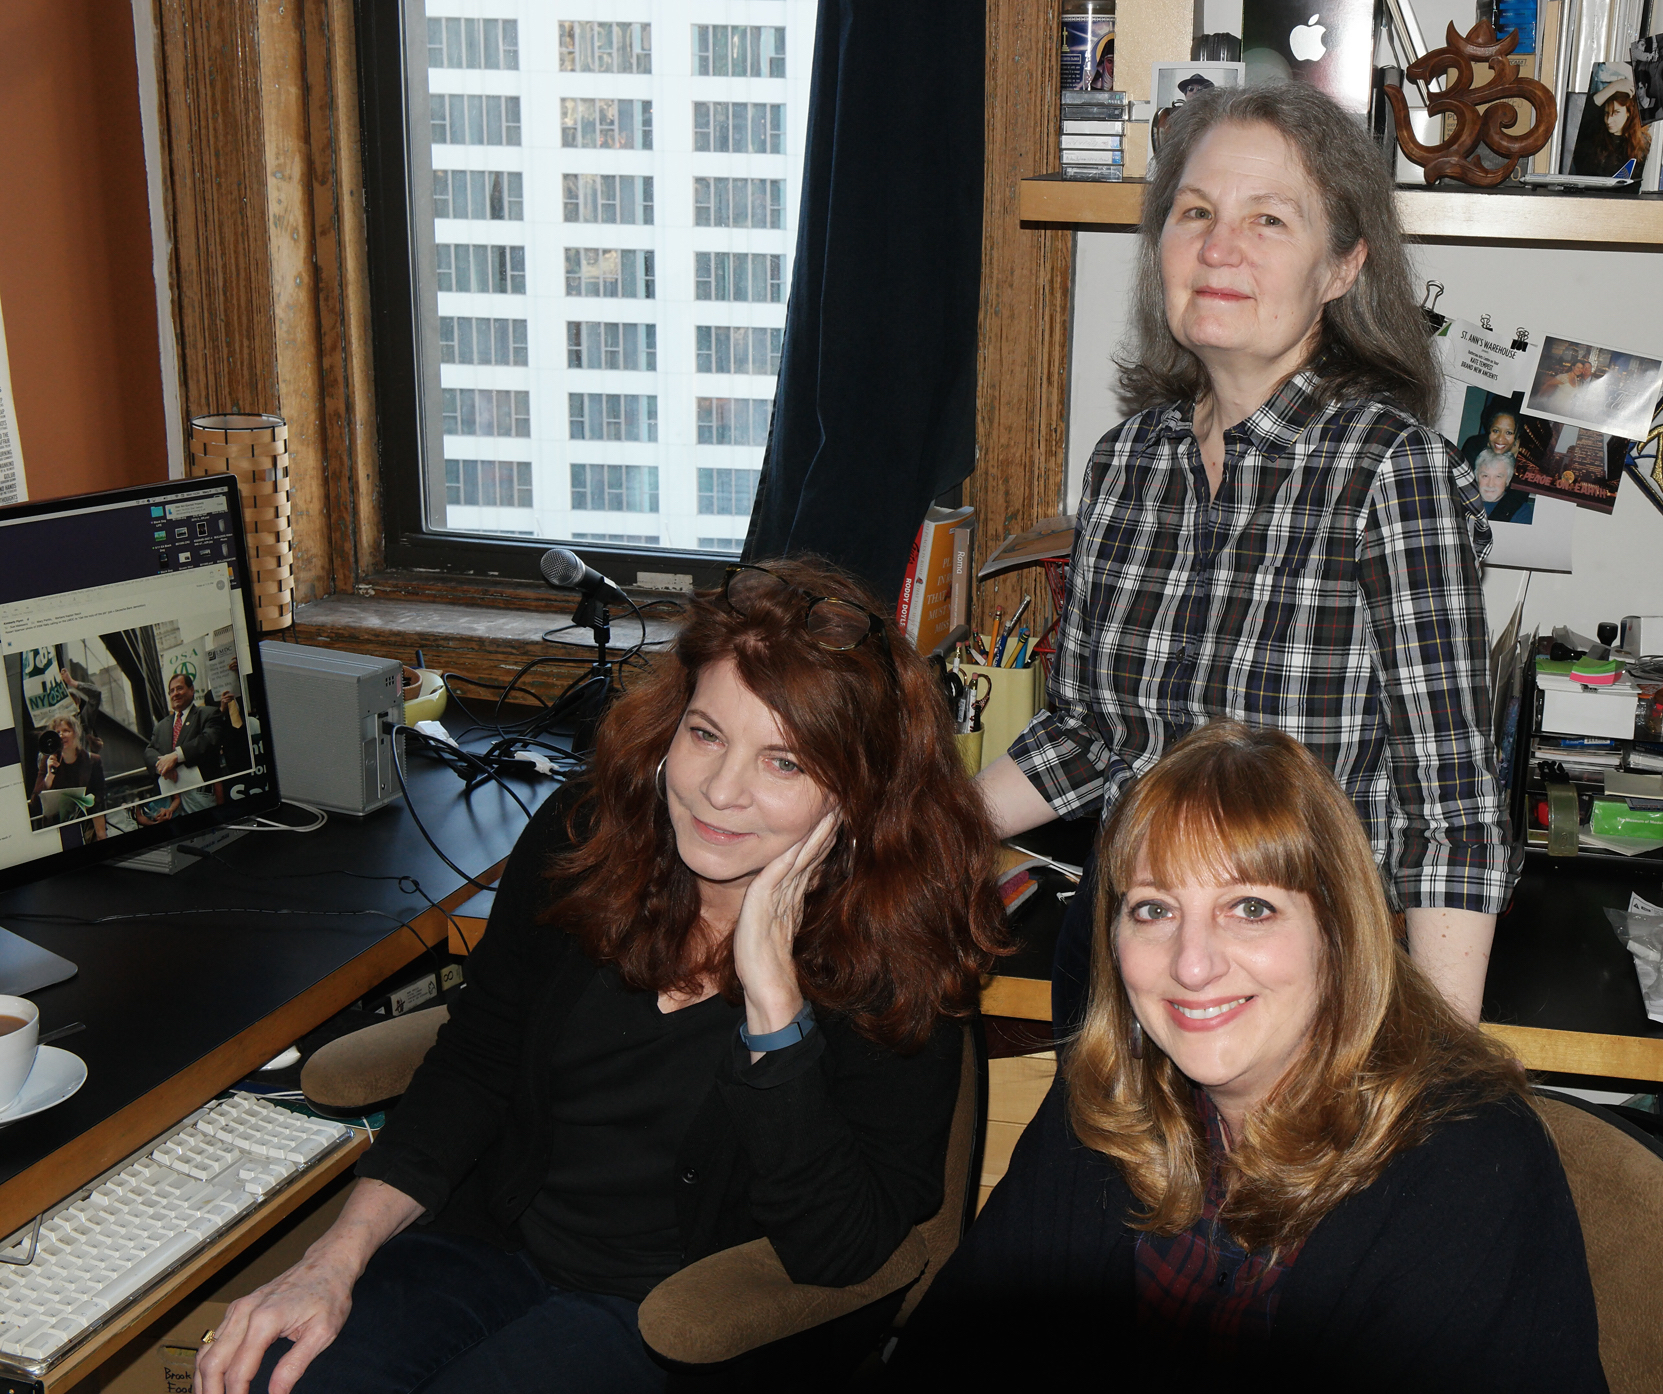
(1611, 136)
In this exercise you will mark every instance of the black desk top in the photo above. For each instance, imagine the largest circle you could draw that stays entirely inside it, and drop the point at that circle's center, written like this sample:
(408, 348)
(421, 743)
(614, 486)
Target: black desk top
(160, 994)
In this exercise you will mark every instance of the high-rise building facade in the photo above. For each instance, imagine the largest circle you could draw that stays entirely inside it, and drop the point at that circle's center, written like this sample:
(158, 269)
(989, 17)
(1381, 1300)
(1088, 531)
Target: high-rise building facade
(614, 205)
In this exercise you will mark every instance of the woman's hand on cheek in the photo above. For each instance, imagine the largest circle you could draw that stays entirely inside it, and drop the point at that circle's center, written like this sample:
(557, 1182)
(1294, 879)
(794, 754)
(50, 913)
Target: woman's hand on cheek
(767, 929)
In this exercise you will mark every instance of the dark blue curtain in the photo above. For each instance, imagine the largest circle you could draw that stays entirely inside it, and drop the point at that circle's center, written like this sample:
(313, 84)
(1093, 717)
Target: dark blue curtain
(875, 415)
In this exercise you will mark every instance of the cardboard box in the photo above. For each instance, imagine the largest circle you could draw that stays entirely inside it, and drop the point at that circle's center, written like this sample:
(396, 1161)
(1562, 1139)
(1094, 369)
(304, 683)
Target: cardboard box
(163, 1360)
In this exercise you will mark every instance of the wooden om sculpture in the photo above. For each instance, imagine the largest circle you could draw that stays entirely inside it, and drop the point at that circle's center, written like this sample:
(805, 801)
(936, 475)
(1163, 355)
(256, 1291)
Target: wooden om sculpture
(1450, 159)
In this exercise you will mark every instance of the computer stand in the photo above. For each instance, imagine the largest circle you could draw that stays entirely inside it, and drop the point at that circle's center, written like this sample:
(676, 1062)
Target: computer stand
(25, 967)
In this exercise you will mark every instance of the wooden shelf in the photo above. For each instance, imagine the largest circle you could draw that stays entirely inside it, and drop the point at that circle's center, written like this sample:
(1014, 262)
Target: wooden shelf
(1510, 216)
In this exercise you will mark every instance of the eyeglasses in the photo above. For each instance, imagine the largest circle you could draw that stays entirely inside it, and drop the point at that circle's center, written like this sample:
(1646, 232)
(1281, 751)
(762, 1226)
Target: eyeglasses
(833, 623)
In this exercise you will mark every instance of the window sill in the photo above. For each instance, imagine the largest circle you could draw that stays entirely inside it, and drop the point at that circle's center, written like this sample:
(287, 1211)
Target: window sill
(486, 642)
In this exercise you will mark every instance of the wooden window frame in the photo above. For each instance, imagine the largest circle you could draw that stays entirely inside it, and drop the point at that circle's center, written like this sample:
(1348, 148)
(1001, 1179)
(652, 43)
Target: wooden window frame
(276, 241)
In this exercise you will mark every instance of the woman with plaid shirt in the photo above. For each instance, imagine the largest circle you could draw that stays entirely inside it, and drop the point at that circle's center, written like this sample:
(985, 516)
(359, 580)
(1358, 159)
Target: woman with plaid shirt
(1276, 536)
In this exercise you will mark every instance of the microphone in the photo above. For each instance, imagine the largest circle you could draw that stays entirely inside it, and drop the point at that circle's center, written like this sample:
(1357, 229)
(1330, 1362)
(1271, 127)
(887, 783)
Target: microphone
(565, 570)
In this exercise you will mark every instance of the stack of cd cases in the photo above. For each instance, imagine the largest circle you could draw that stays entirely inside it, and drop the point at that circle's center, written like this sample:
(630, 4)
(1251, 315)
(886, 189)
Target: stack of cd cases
(1094, 135)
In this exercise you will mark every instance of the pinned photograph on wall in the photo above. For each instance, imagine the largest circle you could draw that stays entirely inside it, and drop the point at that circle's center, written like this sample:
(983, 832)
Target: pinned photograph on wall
(1644, 461)
(1527, 531)
(1606, 390)
(1611, 137)
(1479, 357)
(1173, 84)
(1558, 460)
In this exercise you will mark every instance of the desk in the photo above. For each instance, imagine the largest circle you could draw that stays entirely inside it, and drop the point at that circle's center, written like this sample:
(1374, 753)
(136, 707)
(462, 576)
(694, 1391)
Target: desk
(181, 1006)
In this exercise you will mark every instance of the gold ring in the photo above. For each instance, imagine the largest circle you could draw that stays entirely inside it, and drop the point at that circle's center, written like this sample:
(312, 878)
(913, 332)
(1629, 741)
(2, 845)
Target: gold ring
(208, 1340)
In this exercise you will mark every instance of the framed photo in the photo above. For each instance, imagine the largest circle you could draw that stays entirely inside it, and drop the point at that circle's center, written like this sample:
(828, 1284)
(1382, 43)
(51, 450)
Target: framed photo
(1173, 84)
(1644, 462)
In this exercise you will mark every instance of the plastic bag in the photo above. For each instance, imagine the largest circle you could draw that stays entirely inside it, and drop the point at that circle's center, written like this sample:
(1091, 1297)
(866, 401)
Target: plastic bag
(1641, 928)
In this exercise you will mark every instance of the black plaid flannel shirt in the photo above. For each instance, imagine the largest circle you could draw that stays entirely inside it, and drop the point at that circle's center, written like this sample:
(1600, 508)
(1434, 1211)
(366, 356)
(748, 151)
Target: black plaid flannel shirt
(1331, 590)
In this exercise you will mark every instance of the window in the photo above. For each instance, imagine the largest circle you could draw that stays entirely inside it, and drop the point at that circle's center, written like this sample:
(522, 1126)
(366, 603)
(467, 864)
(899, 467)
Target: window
(607, 198)
(609, 274)
(733, 420)
(538, 218)
(633, 348)
(494, 195)
(752, 276)
(605, 123)
(465, 120)
(724, 491)
(615, 488)
(739, 128)
(722, 348)
(756, 203)
(490, 483)
(473, 43)
(480, 269)
(738, 50)
(484, 411)
(613, 416)
(601, 46)
(465, 340)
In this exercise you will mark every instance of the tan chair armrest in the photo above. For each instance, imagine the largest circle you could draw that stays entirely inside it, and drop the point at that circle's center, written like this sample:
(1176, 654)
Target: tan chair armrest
(372, 1065)
(741, 1298)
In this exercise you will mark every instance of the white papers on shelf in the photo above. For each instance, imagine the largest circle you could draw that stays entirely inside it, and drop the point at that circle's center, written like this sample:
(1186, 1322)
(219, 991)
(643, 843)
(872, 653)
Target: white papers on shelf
(1571, 709)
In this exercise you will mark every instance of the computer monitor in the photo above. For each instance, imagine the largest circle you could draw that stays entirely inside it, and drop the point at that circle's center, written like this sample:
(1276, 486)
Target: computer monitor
(133, 707)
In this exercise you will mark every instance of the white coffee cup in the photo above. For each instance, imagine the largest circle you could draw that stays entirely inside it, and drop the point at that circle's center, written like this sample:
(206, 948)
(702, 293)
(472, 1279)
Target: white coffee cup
(17, 1046)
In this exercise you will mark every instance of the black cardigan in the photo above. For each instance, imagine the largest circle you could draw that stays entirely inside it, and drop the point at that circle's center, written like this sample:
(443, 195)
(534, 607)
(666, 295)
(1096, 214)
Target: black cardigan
(832, 1148)
(1461, 1268)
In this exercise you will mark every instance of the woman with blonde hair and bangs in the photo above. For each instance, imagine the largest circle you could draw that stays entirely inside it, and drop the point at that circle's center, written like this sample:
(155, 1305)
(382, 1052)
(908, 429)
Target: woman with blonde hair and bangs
(1274, 1151)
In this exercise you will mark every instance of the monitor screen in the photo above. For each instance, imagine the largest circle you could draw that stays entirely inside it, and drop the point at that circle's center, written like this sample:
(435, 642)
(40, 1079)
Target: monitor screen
(133, 708)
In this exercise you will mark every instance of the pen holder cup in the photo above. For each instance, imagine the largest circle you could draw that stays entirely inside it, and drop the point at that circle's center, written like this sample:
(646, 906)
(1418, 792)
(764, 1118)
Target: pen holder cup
(970, 751)
(1016, 697)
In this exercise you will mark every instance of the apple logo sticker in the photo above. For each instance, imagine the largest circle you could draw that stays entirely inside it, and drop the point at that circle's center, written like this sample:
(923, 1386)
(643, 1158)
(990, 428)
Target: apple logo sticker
(1305, 41)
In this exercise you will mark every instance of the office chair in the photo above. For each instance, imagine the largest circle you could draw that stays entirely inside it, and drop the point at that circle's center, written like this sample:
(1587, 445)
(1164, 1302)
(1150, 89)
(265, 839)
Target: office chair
(1616, 1178)
(736, 1304)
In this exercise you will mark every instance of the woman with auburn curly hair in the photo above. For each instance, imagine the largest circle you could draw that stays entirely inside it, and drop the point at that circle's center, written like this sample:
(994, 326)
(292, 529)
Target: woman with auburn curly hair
(719, 999)
(1275, 1154)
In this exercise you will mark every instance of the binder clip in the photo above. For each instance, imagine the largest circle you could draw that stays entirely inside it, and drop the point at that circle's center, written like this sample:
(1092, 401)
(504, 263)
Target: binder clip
(1434, 321)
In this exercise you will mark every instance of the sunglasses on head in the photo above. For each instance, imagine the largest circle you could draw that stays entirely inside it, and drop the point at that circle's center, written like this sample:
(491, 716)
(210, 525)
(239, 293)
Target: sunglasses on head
(832, 622)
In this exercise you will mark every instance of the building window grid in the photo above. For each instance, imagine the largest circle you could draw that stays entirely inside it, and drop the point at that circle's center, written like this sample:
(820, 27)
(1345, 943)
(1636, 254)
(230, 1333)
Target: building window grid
(489, 483)
(615, 488)
(613, 416)
(754, 277)
(480, 269)
(725, 202)
(630, 348)
(739, 128)
(502, 342)
(458, 119)
(603, 46)
(722, 348)
(627, 539)
(609, 273)
(733, 420)
(473, 43)
(738, 50)
(728, 493)
(607, 198)
(485, 411)
(605, 123)
(489, 195)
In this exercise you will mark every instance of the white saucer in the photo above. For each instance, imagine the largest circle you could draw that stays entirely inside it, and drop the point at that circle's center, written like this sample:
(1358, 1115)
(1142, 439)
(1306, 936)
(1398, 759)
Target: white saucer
(57, 1074)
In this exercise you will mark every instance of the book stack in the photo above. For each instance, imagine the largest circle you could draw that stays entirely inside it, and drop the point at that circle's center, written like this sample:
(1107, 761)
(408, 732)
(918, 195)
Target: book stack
(1094, 135)
(935, 593)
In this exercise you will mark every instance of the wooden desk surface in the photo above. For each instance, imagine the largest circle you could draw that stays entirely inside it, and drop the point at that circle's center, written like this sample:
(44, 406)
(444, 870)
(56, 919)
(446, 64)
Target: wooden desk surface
(239, 960)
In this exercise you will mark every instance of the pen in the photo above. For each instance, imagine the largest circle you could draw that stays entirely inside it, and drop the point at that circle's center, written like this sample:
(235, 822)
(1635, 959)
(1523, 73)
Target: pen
(993, 638)
(1021, 610)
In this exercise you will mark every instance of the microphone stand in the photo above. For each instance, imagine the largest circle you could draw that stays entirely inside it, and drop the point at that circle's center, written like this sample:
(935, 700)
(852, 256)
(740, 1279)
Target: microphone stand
(588, 698)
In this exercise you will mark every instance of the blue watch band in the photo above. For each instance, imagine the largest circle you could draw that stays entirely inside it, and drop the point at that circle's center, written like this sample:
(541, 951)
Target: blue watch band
(793, 1031)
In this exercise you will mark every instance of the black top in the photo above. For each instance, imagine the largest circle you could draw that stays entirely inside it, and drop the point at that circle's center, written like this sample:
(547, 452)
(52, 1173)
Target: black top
(85, 771)
(1461, 1268)
(626, 1082)
(832, 1148)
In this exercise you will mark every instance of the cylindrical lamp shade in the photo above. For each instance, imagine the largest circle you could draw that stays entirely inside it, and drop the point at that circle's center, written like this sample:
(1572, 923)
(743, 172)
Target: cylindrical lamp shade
(256, 450)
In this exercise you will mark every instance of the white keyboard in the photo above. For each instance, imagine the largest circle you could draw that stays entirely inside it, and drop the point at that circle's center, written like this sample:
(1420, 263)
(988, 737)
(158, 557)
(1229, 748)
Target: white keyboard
(107, 1245)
